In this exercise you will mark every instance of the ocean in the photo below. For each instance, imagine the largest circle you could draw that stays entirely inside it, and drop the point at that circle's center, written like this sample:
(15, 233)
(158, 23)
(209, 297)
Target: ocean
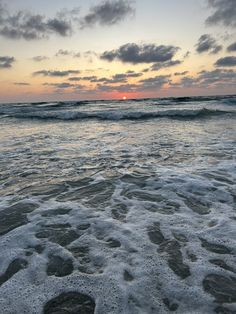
(118, 206)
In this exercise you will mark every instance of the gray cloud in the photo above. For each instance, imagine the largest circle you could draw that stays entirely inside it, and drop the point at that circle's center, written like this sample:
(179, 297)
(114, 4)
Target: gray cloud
(155, 82)
(65, 53)
(108, 13)
(167, 64)
(224, 12)
(232, 47)
(55, 73)
(6, 62)
(21, 84)
(128, 88)
(209, 79)
(63, 85)
(207, 43)
(133, 53)
(226, 62)
(117, 78)
(24, 24)
(216, 76)
(181, 73)
(39, 58)
(122, 77)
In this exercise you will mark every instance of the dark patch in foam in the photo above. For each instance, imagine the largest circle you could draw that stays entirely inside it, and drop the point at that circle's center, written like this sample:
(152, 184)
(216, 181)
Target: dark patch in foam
(61, 234)
(47, 190)
(70, 303)
(215, 248)
(92, 195)
(145, 196)
(224, 310)
(172, 248)
(59, 267)
(12, 269)
(138, 180)
(171, 306)
(220, 287)
(155, 234)
(87, 264)
(15, 216)
(180, 237)
(128, 276)
(175, 258)
(55, 212)
(119, 212)
(113, 243)
(221, 264)
(197, 206)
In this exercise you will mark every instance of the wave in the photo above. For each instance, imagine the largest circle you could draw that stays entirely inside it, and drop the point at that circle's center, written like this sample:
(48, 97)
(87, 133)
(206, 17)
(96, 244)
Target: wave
(120, 114)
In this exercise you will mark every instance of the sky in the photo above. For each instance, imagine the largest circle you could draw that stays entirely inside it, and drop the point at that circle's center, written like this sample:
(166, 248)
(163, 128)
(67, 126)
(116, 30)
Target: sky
(52, 50)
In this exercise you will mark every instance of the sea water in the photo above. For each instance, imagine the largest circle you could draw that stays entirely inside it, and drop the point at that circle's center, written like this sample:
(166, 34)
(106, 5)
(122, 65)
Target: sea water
(118, 206)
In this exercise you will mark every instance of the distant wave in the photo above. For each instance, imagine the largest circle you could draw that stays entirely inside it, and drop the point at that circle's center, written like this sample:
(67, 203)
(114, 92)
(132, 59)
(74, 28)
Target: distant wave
(119, 114)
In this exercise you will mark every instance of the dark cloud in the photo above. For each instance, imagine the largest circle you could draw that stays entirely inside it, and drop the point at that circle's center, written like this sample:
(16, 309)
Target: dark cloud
(60, 85)
(155, 82)
(24, 24)
(232, 47)
(181, 73)
(39, 58)
(187, 54)
(167, 64)
(133, 53)
(6, 62)
(66, 53)
(108, 13)
(21, 84)
(209, 79)
(216, 76)
(224, 12)
(226, 62)
(117, 78)
(128, 88)
(55, 73)
(207, 43)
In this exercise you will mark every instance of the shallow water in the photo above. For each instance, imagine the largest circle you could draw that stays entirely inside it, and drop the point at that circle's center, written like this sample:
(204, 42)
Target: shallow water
(118, 207)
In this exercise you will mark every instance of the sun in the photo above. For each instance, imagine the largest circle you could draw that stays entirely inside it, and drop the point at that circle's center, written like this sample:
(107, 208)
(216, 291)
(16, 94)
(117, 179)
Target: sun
(124, 98)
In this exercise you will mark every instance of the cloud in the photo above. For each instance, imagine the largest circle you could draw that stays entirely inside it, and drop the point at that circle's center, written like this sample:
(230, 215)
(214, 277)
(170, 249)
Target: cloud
(108, 13)
(39, 58)
(207, 43)
(60, 85)
(64, 53)
(6, 62)
(209, 79)
(24, 24)
(181, 73)
(224, 13)
(122, 77)
(128, 88)
(226, 62)
(21, 84)
(167, 64)
(155, 82)
(55, 73)
(117, 78)
(232, 47)
(133, 53)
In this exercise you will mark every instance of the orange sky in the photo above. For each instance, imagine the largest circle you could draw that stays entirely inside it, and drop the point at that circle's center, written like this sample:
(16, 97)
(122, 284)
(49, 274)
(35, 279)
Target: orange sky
(153, 50)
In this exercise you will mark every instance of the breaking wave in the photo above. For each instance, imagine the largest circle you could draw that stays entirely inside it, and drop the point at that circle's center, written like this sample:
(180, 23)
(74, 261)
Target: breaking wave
(118, 114)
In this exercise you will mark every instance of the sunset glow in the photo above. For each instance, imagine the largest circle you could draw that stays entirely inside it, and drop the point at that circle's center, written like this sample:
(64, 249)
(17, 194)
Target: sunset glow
(69, 57)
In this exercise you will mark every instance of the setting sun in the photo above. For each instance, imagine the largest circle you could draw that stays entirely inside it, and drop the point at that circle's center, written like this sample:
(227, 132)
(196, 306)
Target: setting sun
(124, 97)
